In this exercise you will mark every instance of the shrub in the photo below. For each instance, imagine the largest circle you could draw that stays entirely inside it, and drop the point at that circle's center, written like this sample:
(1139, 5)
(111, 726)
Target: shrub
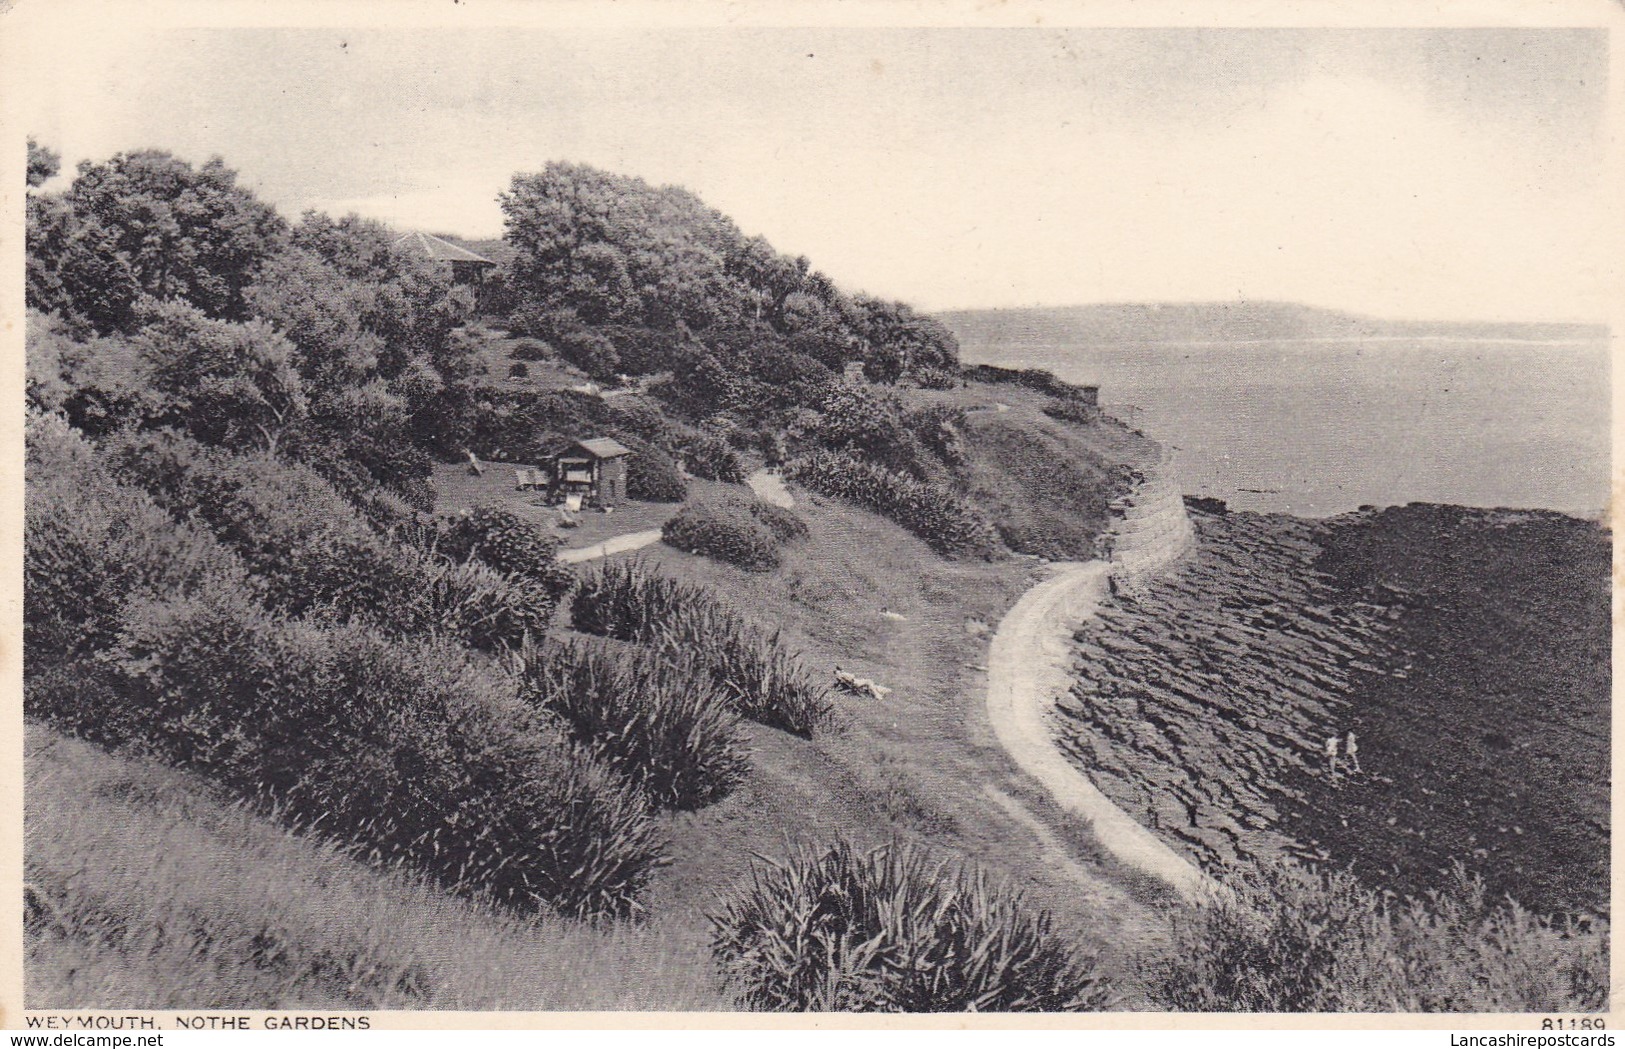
(724, 531)
(508, 543)
(518, 370)
(893, 930)
(91, 544)
(652, 475)
(472, 603)
(1294, 939)
(531, 350)
(712, 458)
(765, 682)
(947, 524)
(1072, 409)
(668, 728)
(785, 524)
(410, 752)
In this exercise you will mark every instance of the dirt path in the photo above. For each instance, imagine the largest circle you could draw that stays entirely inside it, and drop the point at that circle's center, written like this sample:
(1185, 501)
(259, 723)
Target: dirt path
(769, 488)
(612, 545)
(1027, 667)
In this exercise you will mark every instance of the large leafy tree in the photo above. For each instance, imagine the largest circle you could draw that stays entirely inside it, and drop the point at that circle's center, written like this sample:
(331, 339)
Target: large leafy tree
(149, 223)
(616, 250)
(229, 384)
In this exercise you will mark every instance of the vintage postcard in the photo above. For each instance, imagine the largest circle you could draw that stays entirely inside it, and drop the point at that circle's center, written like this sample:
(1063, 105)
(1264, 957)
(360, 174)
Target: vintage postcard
(1088, 515)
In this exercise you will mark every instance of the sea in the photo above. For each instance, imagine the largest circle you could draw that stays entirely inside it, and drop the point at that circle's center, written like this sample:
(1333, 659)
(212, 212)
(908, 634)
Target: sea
(1316, 427)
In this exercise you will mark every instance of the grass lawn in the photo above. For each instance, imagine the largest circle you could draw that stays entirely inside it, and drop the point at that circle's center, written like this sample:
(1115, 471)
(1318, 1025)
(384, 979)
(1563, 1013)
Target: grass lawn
(922, 764)
(457, 489)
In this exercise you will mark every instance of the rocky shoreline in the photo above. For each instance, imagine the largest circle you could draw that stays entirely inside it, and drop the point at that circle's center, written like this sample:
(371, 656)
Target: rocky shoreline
(1467, 649)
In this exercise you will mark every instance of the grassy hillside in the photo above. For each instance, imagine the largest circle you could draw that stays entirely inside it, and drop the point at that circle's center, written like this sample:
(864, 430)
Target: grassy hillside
(149, 890)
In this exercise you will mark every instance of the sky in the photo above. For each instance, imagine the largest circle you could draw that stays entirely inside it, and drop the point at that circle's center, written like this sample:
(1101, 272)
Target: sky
(1434, 174)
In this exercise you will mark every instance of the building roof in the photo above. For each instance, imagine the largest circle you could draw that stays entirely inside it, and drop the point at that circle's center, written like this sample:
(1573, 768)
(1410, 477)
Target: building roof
(439, 249)
(603, 447)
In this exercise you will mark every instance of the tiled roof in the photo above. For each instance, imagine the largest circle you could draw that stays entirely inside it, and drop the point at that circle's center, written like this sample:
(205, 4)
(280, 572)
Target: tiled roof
(604, 447)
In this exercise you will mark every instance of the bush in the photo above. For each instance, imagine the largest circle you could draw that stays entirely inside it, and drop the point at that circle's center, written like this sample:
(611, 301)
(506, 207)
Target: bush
(474, 604)
(508, 543)
(518, 370)
(1293, 939)
(765, 682)
(1072, 410)
(712, 458)
(409, 752)
(91, 544)
(785, 524)
(668, 728)
(892, 930)
(531, 350)
(724, 531)
(947, 524)
(652, 475)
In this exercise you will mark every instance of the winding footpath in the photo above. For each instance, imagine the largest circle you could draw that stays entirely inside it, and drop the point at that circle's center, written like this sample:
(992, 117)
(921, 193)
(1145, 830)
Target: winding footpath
(1027, 668)
(613, 545)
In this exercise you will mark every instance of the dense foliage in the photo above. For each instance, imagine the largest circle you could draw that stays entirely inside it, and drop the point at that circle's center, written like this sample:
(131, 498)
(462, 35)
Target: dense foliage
(893, 930)
(143, 630)
(763, 680)
(663, 723)
(948, 523)
(725, 530)
(1292, 939)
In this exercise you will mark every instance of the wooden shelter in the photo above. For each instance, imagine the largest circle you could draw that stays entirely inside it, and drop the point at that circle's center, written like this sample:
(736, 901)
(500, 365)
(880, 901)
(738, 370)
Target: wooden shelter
(594, 469)
(466, 266)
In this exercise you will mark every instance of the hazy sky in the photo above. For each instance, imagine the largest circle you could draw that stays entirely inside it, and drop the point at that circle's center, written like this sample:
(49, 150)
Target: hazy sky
(1424, 173)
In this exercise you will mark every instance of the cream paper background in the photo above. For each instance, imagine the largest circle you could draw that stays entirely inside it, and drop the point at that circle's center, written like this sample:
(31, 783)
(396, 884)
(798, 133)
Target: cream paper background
(30, 26)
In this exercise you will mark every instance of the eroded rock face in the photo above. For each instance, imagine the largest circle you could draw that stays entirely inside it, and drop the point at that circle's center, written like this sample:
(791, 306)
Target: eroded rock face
(1151, 533)
(1467, 651)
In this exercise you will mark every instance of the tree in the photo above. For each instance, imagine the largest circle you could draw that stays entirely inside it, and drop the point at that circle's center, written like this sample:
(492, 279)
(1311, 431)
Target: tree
(617, 250)
(43, 163)
(180, 232)
(322, 312)
(229, 384)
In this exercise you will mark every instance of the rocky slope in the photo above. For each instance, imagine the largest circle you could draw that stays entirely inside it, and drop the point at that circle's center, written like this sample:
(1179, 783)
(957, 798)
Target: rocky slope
(1466, 649)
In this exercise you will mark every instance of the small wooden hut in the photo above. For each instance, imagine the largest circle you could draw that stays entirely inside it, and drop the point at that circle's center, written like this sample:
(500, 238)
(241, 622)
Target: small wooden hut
(594, 469)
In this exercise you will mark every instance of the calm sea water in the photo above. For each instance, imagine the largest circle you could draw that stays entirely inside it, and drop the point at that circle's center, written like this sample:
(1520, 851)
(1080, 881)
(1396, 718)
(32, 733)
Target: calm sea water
(1320, 427)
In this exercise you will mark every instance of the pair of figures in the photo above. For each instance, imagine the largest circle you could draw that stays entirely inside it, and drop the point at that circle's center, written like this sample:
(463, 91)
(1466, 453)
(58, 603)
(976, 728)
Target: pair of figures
(1351, 749)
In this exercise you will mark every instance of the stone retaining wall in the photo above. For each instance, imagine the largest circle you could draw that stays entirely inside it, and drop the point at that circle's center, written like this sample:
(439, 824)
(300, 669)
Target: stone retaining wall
(1152, 531)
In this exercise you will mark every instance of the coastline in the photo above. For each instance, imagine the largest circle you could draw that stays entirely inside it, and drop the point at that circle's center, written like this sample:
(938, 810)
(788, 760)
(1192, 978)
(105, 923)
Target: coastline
(1028, 669)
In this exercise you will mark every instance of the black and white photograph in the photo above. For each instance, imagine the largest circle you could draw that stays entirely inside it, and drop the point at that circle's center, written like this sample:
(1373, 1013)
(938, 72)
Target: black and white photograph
(865, 508)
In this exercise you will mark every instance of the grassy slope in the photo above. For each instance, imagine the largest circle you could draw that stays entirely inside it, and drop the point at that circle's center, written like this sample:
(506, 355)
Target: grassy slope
(156, 893)
(923, 763)
(238, 912)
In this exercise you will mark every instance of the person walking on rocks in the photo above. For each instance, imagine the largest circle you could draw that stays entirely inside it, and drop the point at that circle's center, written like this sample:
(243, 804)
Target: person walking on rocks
(1352, 749)
(1331, 754)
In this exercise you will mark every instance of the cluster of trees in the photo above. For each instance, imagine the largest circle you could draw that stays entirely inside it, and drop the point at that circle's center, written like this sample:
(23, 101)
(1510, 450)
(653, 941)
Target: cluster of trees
(167, 295)
(624, 277)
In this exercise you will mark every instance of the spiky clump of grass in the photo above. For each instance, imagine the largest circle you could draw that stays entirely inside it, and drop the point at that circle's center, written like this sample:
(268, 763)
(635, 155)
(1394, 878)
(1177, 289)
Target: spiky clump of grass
(664, 724)
(764, 680)
(948, 524)
(892, 929)
(1290, 938)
